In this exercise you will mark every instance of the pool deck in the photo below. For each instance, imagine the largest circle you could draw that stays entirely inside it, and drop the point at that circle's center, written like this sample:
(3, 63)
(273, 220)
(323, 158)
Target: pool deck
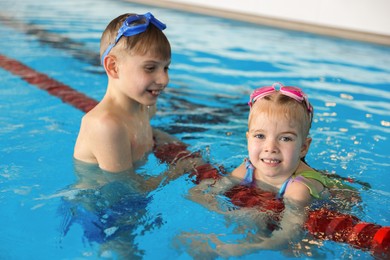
(201, 8)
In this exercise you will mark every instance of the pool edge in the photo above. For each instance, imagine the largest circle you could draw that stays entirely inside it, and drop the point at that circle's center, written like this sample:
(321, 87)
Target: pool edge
(272, 22)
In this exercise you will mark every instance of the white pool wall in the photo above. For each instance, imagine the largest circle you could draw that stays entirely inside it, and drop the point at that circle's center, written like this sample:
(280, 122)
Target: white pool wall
(367, 20)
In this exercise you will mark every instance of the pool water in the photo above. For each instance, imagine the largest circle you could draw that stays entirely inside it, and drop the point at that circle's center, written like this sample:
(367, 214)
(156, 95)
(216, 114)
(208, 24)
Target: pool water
(216, 63)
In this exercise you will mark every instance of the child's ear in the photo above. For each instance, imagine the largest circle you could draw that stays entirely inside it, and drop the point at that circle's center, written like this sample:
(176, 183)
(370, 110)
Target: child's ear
(111, 66)
(305, 146)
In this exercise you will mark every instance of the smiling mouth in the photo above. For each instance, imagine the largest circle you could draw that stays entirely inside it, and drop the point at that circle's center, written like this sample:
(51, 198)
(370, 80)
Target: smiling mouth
(271, 161)
(155, 92)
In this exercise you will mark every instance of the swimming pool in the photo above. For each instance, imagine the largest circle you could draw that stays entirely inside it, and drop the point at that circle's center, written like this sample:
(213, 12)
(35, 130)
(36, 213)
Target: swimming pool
(215, 65)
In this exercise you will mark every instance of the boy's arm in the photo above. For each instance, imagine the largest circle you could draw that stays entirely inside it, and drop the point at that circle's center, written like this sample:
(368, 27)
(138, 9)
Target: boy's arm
(161, 137)
(174, 171)
(207, 193)
(172, 151)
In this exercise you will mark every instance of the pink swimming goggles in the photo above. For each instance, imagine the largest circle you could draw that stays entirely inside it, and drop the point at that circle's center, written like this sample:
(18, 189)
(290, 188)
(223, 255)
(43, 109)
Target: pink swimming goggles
(292, 92)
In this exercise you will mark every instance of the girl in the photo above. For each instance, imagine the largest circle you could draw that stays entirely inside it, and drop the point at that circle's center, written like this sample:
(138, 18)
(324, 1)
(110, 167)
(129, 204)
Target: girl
(278, 140)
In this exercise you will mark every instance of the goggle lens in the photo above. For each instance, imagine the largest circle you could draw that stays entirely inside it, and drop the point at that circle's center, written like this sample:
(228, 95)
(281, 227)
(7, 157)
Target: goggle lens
(290, 91)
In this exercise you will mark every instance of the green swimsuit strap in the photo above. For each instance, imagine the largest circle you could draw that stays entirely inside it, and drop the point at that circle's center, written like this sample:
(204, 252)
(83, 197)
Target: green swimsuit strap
(325, 180)
(303, 177)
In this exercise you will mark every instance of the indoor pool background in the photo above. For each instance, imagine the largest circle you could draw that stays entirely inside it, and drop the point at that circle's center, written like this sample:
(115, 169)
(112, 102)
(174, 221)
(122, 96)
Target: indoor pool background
(215, 65)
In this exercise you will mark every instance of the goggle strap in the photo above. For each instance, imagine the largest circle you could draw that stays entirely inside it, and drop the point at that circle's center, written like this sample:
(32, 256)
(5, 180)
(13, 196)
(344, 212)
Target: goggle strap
(107, 51)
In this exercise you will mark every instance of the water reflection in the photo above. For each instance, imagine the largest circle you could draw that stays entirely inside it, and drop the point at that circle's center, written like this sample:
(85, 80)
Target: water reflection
(110, 208)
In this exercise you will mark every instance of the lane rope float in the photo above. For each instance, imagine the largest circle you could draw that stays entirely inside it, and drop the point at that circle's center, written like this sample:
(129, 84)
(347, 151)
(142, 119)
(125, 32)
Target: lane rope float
(53, 87)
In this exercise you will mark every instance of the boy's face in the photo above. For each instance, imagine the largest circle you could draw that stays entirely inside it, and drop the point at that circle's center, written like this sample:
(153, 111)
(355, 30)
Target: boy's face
(142, 77)
(275, 145)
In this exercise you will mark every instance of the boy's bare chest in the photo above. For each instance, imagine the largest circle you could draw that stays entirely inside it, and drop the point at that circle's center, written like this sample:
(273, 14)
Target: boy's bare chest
(141, 138)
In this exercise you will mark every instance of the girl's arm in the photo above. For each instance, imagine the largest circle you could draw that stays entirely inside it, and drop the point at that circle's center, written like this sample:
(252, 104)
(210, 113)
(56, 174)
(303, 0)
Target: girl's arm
(296, 200)
(290, 231)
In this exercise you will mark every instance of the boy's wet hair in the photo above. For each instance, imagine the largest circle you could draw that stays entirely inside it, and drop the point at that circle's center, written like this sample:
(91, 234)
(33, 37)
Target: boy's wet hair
(152, 41)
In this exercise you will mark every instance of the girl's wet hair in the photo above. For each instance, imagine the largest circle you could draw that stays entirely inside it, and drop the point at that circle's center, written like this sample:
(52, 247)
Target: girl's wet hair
(278, 105)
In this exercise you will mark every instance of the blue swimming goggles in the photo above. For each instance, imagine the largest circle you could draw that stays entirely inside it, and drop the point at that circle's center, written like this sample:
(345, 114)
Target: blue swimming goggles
(130, 29)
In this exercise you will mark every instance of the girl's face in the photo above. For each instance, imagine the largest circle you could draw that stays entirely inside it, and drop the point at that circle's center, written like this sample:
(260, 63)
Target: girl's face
(143, 78)
(275, 146)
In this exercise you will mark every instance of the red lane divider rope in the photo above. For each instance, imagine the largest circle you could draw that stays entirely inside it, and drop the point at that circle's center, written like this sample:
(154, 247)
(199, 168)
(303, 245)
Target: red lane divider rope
(52, 86)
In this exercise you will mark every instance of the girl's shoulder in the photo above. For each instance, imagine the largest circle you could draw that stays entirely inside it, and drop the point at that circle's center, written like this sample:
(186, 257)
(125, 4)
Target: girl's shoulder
(299, 192)
(308, 183)
(239, 172)
(305, 184)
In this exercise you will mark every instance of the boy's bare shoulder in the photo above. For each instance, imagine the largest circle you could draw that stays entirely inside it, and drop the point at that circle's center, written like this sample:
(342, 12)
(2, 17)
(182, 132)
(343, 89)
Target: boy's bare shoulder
(103, 122)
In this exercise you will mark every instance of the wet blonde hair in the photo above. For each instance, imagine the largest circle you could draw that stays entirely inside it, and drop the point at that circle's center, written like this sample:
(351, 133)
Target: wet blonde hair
(277, 105)
(152, 40)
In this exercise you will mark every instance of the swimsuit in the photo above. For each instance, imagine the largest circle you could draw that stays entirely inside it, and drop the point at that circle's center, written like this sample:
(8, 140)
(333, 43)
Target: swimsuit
(106, 213)
(302, 177)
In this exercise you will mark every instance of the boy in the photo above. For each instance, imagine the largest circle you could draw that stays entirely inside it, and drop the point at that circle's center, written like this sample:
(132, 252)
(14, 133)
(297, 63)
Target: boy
(117, 133)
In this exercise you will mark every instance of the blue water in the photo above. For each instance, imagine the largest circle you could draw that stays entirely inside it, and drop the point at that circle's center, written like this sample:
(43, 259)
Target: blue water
(215, 65)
